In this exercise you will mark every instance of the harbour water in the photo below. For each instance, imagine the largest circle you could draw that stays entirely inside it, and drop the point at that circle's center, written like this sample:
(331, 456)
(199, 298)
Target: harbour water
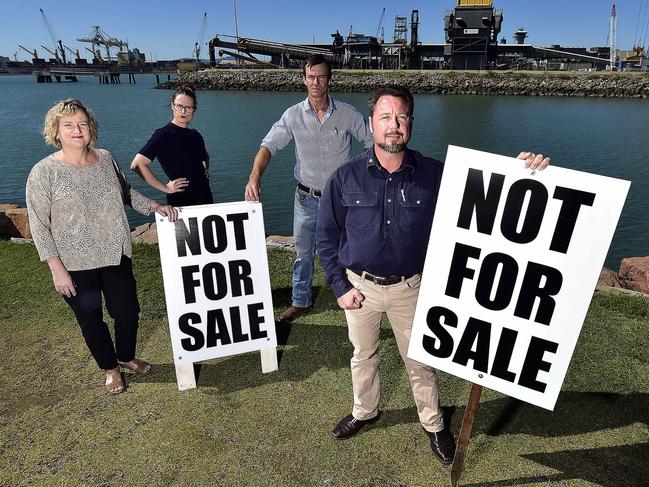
(602, 136)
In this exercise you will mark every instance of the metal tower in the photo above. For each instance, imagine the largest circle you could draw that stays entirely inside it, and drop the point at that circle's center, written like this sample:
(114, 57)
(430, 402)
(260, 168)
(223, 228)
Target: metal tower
(400, 30)
(613, 38)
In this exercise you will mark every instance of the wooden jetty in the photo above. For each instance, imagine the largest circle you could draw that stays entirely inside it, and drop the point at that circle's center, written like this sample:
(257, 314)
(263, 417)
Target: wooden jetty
(105, 74)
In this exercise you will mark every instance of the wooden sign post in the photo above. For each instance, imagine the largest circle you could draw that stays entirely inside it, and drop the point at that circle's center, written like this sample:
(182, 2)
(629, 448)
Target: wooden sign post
(217, 286)
(465, 433)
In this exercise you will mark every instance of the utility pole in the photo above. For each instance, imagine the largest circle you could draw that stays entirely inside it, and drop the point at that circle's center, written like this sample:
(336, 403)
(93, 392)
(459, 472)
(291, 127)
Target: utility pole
(613, 38)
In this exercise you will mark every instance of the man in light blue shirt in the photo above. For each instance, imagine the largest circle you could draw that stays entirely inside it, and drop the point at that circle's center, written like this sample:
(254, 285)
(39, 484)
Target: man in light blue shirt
(322, 129)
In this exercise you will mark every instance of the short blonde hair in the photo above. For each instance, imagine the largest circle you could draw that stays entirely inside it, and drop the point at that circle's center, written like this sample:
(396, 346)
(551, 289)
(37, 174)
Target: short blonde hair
(65, 108)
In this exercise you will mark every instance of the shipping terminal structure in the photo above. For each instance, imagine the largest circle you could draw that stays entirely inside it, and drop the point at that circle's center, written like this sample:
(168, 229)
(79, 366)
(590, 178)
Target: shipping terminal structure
(472, 42)
(472, 33)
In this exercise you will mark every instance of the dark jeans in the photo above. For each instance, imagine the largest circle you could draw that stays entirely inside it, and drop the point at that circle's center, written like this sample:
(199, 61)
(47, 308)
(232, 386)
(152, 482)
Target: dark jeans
(118, 287)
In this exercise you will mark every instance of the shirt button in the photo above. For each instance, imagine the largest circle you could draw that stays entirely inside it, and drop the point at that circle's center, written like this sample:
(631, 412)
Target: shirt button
(358, 202)
(388, 222)
(389, 179)
(418, 201)
(389, 200)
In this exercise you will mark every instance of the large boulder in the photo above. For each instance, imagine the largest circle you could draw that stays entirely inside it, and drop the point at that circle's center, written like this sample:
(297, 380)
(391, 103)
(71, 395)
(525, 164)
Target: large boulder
(146, 233)
(14, 222)
(608, 278)
(634, 274)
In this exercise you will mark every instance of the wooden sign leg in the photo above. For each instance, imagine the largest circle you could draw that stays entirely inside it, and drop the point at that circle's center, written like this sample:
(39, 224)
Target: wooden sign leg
(268, 359)
(185, 375)
(465, 433)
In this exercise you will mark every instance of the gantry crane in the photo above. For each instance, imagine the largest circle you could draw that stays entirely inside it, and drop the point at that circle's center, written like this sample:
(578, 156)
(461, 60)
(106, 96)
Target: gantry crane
(98, 37)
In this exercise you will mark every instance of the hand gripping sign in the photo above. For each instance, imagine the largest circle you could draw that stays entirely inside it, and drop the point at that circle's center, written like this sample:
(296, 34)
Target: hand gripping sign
(217, 287)
(512, 262)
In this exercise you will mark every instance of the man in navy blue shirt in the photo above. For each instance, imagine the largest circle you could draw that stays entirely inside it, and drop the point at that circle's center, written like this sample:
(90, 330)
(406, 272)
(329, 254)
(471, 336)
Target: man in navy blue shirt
(374, 222)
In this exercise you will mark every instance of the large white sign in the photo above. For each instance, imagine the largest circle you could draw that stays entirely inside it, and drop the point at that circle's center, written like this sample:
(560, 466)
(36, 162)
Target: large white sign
(512, 262)
(216, 281)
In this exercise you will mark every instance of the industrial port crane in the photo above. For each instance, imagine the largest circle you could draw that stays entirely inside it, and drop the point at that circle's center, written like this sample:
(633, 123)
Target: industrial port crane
(74, 52)
(33, 53)
(53, 53)
(200, 41)
(95, 54)
(58, 45)
(379, 30)
(98, 37)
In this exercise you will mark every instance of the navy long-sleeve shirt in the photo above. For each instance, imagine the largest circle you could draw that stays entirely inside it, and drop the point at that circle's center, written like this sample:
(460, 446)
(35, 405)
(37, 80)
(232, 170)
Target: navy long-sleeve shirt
(374, 221)
(181, 152)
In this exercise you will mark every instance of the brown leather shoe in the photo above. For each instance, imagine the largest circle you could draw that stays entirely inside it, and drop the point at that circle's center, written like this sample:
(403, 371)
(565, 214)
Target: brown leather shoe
(443, 445)
(349, 426)
(293, 313)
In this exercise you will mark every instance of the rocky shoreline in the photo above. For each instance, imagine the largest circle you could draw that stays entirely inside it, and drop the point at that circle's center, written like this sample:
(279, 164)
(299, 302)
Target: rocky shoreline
(514, 83)
(632, 277)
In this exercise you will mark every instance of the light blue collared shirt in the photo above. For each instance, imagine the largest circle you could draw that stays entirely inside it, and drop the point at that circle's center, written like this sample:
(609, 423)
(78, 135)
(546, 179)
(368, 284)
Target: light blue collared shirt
(320, 148)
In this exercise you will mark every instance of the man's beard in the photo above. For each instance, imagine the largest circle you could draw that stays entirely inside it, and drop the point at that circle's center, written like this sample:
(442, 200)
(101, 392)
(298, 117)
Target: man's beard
(393, 148)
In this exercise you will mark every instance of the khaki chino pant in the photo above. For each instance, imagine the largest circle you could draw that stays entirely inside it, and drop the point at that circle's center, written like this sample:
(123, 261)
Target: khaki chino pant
(398, 301)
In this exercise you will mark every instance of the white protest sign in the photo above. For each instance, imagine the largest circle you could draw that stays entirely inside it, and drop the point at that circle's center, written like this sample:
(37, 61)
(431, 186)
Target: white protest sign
(512, 262)
(217, 287)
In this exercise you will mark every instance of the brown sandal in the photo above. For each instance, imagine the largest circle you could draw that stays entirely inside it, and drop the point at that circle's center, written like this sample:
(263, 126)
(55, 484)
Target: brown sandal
(140, 367)
(115, 385)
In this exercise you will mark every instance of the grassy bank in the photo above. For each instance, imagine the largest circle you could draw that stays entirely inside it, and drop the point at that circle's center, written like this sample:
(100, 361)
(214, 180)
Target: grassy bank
(242, 427)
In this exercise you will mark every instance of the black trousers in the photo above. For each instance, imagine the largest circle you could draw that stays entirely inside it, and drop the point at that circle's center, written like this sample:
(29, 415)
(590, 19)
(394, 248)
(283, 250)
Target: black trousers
(118, 287)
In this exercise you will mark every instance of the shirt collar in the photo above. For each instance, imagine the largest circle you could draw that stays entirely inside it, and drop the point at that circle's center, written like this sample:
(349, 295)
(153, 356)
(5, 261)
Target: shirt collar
(408, 163)
(306, 106)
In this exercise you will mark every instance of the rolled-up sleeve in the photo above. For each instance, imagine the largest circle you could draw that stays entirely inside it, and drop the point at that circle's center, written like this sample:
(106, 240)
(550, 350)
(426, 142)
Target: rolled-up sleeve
(279, 135)
(39, 208)
(330, 230)
(361, 131)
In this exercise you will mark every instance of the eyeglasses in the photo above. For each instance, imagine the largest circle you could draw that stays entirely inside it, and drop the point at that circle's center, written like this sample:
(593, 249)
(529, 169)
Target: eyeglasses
(320, 77)
(183, 108)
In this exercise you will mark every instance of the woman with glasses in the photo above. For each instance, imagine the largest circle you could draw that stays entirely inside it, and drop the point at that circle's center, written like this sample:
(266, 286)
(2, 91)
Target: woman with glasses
(75, 200)
(181, 153)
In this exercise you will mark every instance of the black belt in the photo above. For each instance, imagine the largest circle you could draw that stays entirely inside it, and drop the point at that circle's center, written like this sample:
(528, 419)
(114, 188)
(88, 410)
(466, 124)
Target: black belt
(382, 281)
(313, 192)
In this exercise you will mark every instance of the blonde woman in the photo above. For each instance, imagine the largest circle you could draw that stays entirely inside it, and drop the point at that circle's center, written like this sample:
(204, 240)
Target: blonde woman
(75, 200)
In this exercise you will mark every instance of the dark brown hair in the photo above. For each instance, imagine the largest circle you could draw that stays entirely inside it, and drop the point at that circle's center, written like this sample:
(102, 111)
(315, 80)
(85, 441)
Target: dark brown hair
(314, 60)
(185, 90)
(397, 91)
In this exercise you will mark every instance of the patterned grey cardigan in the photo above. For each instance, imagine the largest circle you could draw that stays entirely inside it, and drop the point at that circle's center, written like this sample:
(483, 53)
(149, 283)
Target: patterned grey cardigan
(78, 214)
